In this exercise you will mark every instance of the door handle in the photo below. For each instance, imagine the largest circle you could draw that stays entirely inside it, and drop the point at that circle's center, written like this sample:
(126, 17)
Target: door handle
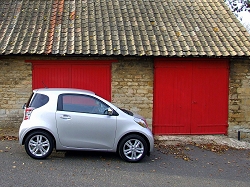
(67, 117)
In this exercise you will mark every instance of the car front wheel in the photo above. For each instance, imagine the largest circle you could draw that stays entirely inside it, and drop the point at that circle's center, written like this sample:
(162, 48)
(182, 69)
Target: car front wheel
(133, 148)
(39, 145)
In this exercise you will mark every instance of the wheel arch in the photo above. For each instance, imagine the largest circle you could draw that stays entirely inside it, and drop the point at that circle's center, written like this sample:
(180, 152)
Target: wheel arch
(134, 133)
(41, 130)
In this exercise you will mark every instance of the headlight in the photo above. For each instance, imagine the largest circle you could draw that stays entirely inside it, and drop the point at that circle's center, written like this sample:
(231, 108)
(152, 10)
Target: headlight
(141, 122)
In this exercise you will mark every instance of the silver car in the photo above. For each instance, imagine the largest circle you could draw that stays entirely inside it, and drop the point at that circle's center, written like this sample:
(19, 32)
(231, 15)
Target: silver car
(74, 119)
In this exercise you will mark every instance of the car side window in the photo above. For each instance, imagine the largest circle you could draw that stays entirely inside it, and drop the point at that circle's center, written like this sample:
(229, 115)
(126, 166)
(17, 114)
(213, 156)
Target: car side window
(81, 103)
(39, 100)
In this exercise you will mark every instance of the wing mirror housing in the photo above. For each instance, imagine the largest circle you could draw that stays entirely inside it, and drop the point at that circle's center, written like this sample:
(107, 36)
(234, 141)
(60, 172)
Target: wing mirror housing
(109, 111)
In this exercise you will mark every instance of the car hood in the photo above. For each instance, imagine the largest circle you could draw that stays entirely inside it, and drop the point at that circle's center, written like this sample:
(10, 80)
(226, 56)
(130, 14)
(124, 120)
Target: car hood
(139, 116)
(132, 114)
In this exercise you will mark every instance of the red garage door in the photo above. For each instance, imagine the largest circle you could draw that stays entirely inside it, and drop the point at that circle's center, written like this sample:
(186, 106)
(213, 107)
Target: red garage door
(89, 75)
(191, 96)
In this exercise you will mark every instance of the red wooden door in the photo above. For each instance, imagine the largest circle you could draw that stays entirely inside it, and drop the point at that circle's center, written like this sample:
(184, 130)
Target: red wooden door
(190, 97)
(94, 76)
(210, 97)
(172, 99)
(51, 75)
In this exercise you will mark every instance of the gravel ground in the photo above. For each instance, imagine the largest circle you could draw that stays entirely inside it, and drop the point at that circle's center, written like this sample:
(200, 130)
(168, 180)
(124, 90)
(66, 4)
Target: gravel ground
(177, 165)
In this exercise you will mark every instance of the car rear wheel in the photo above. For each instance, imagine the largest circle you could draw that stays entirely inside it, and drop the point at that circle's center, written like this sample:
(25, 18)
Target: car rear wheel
(39, 145)
(133, 148)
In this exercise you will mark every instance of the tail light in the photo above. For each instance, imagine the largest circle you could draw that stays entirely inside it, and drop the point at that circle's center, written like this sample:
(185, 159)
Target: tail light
(27, 113)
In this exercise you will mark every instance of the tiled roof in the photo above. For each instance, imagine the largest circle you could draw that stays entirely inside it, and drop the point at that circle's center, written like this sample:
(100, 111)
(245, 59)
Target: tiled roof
(121, 27)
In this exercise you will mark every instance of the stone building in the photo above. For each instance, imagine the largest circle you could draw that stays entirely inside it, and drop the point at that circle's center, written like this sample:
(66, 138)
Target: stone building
(184, 65)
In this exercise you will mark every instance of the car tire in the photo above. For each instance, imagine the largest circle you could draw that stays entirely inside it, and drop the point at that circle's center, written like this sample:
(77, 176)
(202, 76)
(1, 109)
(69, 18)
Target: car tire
(133, 148)
(39, 145)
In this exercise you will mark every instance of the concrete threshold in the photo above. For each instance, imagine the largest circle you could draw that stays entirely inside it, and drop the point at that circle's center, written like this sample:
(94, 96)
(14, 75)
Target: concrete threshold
(203, 139)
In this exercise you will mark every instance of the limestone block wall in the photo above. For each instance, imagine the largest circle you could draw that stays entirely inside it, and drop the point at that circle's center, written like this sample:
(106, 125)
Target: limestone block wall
(15, 89)
(132, 88)
(239, 97)
(132, 85)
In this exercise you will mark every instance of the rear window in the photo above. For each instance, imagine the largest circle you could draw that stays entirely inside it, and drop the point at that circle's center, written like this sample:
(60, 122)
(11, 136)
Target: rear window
(38, 100)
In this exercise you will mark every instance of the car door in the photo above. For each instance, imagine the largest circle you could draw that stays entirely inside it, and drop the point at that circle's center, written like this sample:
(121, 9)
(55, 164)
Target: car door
(81, 122)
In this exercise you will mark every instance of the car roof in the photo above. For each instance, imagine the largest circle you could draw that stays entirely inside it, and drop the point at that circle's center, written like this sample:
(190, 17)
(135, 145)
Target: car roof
(63, 90)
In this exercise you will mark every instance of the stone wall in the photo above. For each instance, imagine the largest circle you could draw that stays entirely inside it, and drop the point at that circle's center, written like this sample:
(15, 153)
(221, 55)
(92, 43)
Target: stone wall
(15, 89)
(132, 85)
(132, 88)
(239, 98)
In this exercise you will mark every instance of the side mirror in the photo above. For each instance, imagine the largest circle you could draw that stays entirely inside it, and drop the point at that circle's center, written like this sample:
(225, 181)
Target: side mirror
(108, 111)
